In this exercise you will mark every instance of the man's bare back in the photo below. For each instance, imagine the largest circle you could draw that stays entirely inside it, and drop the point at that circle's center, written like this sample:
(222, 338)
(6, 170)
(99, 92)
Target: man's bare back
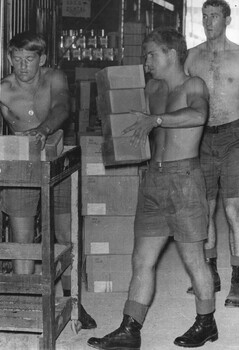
(220, 71)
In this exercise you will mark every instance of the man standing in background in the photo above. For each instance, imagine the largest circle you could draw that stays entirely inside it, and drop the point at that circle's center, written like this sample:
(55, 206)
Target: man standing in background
(216, 61)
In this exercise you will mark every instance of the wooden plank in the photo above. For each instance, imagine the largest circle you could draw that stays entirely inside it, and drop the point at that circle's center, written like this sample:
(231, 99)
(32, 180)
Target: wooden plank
(22, 284)
(29, 251)
(77, 244)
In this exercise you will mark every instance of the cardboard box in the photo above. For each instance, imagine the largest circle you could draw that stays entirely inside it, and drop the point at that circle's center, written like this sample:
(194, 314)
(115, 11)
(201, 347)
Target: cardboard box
(108, 273)
(118, 150)
(108, 234)
(134, 28)
(133, 39)
(135, 50)
(109, 195)
(132, 60)
(121, 101)
(54, 146)
(120, 77)
(21, 147)
(92, 159)
(85, 73)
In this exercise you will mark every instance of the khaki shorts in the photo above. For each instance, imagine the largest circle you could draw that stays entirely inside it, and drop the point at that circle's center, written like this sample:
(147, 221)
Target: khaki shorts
(219, 155)
(172, 202)
(23, 202)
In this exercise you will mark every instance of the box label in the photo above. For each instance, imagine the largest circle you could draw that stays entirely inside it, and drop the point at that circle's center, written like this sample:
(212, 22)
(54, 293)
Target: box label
(95, 169)
(103, 286)
(96, 208)
(99, 248)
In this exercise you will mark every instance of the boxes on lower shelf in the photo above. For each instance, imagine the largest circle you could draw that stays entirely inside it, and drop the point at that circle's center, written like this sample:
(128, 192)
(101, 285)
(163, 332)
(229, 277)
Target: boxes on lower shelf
(109, 195)
(108, 234)
(108, 273)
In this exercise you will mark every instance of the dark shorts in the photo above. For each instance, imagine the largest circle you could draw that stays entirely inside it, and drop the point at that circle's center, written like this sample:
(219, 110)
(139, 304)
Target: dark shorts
(219, 158)
(172, 202)
(23, 202)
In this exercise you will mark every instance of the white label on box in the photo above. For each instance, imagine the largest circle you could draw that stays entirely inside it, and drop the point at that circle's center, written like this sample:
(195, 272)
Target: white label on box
(95, 169)
(96, 208)
(103, 286)
(99, 248)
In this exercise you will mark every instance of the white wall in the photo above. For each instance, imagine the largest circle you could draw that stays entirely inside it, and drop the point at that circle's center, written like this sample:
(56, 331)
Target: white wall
(194, 29)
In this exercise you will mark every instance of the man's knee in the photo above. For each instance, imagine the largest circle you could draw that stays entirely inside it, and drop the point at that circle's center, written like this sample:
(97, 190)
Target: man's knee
(231, 206)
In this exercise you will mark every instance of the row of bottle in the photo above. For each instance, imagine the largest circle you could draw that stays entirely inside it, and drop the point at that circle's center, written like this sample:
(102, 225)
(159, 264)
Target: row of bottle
(75, 45)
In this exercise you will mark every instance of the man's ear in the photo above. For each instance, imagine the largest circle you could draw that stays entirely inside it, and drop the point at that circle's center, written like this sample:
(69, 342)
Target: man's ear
(42, 60)
(228, 20)
(173, 55)
(9, 59)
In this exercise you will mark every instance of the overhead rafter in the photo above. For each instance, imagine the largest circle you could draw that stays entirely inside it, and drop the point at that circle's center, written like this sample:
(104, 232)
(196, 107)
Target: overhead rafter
(164, 4)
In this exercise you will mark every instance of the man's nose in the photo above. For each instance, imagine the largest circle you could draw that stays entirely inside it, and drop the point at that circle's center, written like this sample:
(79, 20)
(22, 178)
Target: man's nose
(23, 63)
(208, 21)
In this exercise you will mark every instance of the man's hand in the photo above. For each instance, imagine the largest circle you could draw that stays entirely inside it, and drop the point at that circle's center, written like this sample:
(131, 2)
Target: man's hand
(145, 123)
(40, 133)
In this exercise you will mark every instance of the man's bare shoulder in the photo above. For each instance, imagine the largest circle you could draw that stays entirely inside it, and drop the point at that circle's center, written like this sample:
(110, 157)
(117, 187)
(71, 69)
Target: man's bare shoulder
(196, 50)
(197, 85)
(154, 85)
(7, 81)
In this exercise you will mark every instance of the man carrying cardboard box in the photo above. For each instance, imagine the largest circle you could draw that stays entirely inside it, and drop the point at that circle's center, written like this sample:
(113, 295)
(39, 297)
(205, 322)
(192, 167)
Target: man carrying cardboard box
(172, 198)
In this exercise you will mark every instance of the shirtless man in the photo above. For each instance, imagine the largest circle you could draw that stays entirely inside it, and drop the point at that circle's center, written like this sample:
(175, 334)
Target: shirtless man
(34, 100)
(172, 198)
(216, 61)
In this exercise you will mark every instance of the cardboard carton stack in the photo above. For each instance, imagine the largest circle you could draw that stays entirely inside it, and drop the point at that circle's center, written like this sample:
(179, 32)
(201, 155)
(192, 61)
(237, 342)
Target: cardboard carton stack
(109, 198)
(120, 91)
(134, 34)
(86, 92)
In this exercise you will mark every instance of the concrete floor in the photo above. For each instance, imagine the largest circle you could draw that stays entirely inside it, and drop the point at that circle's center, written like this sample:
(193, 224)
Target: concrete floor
(171, 314)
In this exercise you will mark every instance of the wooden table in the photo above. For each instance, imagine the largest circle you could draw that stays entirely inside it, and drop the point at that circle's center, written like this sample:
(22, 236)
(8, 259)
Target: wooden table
(28, 302)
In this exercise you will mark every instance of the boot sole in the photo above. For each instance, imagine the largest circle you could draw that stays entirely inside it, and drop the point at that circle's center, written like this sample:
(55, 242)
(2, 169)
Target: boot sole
(231, 303)
(211, 339)
(114, 348)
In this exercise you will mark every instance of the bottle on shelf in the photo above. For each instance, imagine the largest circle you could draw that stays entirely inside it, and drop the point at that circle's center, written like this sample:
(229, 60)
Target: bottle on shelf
(102, 39)
(76, 50)
(66, 55)
(92, 40)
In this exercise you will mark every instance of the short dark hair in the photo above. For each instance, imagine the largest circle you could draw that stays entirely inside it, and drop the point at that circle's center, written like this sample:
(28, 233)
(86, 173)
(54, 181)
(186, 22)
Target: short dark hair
(29, 41)
(169, 38)
(226, 9)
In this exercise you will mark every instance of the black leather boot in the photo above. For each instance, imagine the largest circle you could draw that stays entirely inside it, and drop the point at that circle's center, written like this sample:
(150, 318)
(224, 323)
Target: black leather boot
(126, 337)
(86, 320)
(232, 299)
(204, 329)
(216, 278)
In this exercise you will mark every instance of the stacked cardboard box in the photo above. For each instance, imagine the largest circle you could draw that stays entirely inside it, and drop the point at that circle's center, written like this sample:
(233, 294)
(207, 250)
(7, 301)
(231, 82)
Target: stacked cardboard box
(109, 198)
(134, 34)
(86, 96)
(121, 90)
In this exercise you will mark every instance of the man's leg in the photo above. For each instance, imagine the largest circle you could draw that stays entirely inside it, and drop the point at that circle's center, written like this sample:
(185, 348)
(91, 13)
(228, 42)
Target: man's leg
(62, 224)
(204, 329)
(232, 213)
(141, 292)
(210, 248)
(22, 231)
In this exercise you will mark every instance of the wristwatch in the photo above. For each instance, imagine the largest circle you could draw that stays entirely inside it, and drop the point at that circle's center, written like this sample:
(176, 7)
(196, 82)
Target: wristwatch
(159, 121)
